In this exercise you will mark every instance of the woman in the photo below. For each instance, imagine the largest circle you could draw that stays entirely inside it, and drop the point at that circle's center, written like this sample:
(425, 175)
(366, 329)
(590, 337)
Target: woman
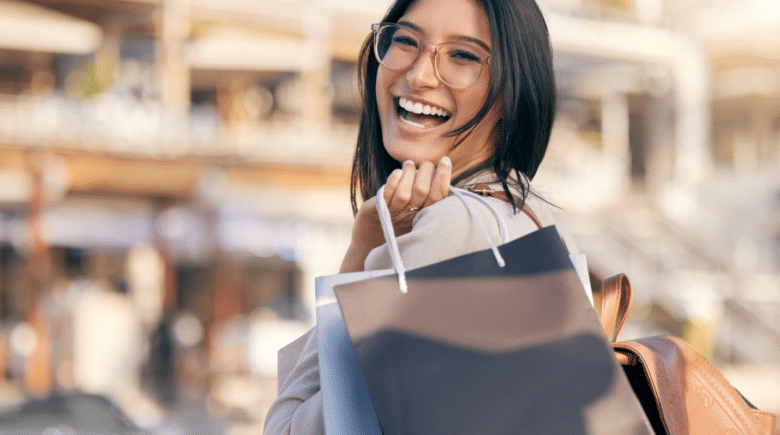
(455, 92)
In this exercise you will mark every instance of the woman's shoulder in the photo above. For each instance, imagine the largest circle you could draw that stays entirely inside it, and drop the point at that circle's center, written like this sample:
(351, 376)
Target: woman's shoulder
(525, 196)
(449, 206)
(437, 233)
(454, 213)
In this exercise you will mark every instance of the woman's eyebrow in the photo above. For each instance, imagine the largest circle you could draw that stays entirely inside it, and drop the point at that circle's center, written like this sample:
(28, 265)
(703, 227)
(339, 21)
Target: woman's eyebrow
(418, 29)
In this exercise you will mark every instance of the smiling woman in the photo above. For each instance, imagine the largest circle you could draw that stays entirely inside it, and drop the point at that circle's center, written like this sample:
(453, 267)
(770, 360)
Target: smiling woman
(455, 92)
(416, 76)
(504, 114)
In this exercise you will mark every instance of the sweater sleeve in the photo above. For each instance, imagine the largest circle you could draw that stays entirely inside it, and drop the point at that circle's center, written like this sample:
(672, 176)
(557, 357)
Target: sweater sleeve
(298, 406)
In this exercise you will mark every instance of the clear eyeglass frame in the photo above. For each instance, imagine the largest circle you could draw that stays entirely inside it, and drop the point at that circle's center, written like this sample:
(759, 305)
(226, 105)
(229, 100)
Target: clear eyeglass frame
(461, 81)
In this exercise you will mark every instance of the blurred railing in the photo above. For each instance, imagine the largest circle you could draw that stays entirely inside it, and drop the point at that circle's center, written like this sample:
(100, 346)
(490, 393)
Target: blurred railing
(123, 124)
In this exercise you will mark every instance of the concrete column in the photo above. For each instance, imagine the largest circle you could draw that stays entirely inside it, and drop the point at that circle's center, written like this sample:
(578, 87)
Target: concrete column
(615, 132)
(693, 155)
(315, 73)
(174, 28)
(661, 141)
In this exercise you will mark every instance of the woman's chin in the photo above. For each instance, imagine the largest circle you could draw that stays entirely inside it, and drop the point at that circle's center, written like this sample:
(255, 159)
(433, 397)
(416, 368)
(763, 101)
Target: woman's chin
(418, 151)
(416, 157)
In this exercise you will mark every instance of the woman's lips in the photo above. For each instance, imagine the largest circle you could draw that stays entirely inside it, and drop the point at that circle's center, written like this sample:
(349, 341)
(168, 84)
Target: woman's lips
(420, 108)
(421, 115)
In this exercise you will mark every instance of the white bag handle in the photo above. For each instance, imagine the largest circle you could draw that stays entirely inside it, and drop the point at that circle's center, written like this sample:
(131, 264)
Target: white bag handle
(395, 256)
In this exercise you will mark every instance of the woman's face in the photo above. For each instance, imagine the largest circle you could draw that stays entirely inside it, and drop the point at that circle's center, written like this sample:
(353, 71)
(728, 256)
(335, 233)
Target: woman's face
(409, 136)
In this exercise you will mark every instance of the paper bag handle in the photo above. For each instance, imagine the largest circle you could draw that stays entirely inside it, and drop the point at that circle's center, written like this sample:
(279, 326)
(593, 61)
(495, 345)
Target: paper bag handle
(395, 255)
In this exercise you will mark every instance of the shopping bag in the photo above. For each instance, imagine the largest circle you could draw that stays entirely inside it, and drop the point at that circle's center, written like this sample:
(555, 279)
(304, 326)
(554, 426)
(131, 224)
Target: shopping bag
(475, 344)
(346, 404)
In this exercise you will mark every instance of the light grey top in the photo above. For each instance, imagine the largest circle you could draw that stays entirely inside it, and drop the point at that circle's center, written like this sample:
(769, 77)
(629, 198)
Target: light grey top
(441, 231)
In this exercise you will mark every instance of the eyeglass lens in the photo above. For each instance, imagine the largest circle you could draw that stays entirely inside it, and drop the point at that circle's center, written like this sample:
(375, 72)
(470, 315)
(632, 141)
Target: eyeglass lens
(459, 65)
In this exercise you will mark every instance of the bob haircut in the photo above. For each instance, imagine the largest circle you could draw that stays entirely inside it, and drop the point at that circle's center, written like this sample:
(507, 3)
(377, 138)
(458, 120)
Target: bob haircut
(521, 75)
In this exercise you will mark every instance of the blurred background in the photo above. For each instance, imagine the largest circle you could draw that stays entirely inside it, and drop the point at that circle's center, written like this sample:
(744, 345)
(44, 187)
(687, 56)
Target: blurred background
(174, 175)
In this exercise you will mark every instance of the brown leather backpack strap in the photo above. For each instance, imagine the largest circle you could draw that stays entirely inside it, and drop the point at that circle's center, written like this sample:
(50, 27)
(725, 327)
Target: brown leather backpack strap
(527, 210)
(483, 189)
(616, 297)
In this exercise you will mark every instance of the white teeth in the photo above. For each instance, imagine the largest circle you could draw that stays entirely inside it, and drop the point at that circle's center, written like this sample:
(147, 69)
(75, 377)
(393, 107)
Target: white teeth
(419, 108)
(406, 104)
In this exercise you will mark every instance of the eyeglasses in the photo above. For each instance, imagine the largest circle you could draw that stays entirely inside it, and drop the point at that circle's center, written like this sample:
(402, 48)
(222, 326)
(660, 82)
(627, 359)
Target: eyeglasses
(457, 64)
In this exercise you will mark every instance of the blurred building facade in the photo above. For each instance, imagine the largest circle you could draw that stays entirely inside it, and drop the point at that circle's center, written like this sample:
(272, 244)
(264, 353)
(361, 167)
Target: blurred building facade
(187, 162)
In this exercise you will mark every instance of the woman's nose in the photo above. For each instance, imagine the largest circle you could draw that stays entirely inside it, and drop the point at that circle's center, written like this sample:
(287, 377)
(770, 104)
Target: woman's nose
(423, 71)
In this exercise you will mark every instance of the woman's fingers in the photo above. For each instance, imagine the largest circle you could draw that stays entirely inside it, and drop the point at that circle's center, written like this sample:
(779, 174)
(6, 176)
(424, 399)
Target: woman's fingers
(403, 191)
(440, 184)
(422, 185)
(392, 183)
(411, 188)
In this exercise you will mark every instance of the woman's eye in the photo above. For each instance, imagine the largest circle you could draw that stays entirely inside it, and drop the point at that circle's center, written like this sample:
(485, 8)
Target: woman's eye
(465, 56)
(404, 40)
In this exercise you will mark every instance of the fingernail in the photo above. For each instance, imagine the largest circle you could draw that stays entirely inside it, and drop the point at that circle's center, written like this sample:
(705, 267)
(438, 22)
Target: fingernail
(395, 174)
(445, 161)
(409, 162)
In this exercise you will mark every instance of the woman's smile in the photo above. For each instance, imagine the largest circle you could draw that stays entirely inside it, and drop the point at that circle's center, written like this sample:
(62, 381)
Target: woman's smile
(421, 115)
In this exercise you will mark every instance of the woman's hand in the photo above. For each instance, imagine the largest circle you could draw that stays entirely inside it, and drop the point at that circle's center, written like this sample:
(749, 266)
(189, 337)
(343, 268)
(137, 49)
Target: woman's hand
(407, 191)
